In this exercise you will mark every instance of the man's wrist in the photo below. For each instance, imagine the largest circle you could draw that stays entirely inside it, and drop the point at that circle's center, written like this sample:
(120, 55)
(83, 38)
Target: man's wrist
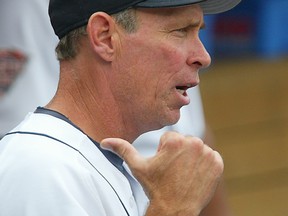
(159, 208)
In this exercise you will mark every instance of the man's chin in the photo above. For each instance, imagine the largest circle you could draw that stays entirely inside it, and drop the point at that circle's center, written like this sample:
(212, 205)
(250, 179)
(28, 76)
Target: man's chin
(173, 119)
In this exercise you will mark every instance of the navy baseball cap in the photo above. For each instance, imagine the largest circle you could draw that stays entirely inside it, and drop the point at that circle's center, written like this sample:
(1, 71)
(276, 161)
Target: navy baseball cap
(67, 15)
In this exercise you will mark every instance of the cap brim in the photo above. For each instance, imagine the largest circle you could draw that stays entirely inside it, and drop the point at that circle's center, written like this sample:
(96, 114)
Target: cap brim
(208, 6)
(218, 6)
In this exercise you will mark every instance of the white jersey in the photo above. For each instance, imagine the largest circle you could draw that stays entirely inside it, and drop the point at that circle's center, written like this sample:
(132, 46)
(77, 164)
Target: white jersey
(25, 27)
(191, 122)
(57, 171)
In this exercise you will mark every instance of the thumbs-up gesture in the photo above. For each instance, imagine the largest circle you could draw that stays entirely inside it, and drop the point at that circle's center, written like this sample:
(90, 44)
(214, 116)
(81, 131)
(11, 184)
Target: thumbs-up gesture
(180, 179)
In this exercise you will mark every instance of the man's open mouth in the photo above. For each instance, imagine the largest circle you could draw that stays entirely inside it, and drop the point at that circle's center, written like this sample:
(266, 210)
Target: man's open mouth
(182, 90)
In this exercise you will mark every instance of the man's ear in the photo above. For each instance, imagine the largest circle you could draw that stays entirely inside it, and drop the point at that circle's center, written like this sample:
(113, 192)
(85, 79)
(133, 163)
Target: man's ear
(100, 29)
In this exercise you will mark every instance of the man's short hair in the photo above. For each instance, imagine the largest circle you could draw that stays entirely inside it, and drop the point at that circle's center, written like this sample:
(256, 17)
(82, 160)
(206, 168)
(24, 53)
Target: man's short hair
(68, 46)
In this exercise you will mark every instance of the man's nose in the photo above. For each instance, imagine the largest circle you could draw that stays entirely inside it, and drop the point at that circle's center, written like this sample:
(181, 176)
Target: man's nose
(198, 55)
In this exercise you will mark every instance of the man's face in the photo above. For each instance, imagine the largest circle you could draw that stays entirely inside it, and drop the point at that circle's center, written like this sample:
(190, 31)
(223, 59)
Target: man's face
(158, 63)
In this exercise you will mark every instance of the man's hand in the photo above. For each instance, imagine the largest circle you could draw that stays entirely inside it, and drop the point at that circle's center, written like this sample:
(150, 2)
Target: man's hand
(180, 179)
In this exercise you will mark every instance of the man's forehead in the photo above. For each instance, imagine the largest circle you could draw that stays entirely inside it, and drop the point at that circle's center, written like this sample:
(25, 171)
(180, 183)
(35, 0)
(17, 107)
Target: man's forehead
(192, 14)
(175, 11)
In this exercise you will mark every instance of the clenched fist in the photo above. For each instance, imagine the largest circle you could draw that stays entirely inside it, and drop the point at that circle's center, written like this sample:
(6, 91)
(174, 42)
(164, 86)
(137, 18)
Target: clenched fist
(180, 179)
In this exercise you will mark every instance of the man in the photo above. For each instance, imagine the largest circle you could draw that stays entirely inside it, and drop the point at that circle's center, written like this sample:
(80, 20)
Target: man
(125, 67)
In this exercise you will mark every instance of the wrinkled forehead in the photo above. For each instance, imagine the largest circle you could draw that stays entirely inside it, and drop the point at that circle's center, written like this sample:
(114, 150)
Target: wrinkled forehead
(191, 13)
(175, 11)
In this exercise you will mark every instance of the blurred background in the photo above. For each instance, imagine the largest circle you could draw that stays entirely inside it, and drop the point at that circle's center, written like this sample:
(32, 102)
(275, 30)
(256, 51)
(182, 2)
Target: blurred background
(245, 100)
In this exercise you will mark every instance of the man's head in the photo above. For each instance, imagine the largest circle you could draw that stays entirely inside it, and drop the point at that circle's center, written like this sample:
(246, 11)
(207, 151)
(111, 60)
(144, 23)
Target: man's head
(68, 15)
(138, 61)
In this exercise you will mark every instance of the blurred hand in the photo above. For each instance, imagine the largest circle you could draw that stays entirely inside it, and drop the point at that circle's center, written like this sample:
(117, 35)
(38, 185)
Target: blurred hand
(180, 179)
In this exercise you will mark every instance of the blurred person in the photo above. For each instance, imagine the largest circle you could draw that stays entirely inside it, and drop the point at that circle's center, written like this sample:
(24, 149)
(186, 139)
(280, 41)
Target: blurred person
(55, 151)
(28, 66)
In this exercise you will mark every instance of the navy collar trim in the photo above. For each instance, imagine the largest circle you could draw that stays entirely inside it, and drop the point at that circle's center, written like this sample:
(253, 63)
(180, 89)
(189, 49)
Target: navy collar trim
(113, 158)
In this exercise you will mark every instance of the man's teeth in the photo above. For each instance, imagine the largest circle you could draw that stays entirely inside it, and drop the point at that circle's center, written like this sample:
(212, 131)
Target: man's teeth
(181, 91)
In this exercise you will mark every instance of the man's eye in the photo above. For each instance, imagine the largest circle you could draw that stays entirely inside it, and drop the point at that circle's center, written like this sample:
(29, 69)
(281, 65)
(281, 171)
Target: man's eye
(183, 30)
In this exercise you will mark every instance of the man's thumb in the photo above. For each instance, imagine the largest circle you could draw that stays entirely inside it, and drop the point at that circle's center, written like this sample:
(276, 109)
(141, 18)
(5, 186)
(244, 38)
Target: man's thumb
(122, 148)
